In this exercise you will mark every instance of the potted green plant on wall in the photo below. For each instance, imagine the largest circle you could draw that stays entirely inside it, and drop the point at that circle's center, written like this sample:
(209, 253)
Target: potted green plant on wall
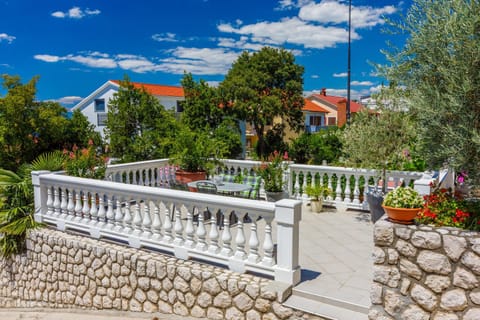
(377, 139)
(316, 193)
(195, 154)
(272, 173)
(402, 205)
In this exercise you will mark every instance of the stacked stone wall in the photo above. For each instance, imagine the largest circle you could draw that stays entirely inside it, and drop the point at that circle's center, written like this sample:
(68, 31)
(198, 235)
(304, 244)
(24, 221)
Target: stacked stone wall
(60, 270)
(423, 272)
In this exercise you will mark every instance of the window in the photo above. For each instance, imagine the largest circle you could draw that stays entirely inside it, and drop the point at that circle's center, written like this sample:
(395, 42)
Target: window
(331, 121)
(315, 120)
(179, 106)
(99, 105)
(101, 119)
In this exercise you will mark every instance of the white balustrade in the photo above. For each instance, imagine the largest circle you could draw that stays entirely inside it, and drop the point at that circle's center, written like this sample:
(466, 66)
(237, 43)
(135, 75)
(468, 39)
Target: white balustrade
(153, 173)
(351, 193)
(234, 232)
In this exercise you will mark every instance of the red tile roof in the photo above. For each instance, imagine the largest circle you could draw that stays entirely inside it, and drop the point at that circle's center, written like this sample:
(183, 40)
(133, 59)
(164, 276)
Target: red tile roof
(354, 106)
(313, 107)
(157, 89)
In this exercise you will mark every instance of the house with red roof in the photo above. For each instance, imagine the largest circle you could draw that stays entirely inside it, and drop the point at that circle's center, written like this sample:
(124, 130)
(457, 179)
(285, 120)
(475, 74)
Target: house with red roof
(95, 106)
(335, 106)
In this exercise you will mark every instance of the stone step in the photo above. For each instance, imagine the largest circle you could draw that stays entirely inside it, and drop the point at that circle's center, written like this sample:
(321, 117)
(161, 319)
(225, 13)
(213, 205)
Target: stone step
(326, 307)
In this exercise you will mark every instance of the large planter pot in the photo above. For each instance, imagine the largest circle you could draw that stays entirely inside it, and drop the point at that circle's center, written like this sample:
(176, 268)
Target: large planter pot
(401, 215)
(185, 177)
(275, 196)
(375, 200)
(316, 205)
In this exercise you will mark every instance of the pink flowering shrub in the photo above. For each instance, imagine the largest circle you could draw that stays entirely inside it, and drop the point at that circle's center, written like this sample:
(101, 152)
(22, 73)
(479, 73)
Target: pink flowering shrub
(85, 162)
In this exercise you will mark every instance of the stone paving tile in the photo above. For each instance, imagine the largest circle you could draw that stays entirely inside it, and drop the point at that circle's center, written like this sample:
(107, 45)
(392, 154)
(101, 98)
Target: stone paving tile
(335, 254)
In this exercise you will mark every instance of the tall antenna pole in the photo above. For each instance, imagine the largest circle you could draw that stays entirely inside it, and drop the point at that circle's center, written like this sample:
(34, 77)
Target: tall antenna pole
(349, 59)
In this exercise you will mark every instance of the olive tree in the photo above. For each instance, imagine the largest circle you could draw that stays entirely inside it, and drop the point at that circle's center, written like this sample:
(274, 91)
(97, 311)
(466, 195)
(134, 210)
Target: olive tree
(439, 67)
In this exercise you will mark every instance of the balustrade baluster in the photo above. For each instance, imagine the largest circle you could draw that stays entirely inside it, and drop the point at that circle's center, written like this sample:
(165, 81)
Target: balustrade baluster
(118, 214)
(178, 227)
(63, 203)
(56, 201)
(137, 219)
(348, 191)
(147, 181)
(93, 209)
(268, 254)
(167, 227)
(134, 177)
(85, 208)
(110, 215)
(70, 205)
(189, 228)
(147, 221)
(338, 190)
(365, 189)
(157, 222)
(213, 234)
(356, 190)
(78, 205)
(201, 232)
(127, 177)
(226, 236)
(127, 218)
(101, 210)
(49, 201)
(253, 241)
(240, 239)
(330, 186)
(140, 177)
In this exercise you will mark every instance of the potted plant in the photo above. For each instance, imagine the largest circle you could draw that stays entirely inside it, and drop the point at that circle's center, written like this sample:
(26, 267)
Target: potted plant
(272, 173)
(195, 154)
(316, 194)
(378, 139)
(402, 205)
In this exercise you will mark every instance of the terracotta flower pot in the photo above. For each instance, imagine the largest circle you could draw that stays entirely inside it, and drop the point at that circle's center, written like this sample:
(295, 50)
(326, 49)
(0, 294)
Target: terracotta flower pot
(401, 215)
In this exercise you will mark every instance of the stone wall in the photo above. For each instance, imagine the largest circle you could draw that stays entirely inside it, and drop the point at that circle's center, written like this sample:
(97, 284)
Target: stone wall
(422, 273)
(66, 271)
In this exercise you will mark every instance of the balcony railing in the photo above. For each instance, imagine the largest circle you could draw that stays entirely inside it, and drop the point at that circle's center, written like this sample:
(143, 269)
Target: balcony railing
(244, 235)
(134, 205)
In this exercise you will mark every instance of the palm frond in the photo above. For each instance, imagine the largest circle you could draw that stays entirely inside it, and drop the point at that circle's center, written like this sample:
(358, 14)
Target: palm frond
(8, 177)
(20, 226)
(52, 161)
(11, 244)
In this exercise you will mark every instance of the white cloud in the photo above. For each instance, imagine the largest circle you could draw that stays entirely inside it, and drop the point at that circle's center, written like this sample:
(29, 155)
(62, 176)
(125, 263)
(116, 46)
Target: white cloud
(47, 58)
(75, 13)
(291, 30)
(242, 44)
(68, 100)
(164, 37)
(340, 75)
(291, 4)
(206, 61)
(361, 83)
(6, 37)
(336, 12)
(315, 76)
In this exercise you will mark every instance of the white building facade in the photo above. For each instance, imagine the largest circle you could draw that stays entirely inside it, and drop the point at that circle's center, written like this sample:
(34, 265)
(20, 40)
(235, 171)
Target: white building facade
(95, 106)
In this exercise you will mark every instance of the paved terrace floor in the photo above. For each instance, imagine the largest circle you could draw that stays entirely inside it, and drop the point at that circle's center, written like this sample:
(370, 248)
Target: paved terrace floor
(336, 246)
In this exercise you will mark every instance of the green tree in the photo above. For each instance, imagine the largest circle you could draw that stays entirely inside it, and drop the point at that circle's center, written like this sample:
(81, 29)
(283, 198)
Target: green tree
(262, 86)
(439, 66)
(138, 127)
(203, 111)
(29, 127)
(379, 140)
(80, 131)
(314, 148)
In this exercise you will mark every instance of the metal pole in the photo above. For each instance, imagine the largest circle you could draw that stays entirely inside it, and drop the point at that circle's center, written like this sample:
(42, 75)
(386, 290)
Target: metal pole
(349, 59)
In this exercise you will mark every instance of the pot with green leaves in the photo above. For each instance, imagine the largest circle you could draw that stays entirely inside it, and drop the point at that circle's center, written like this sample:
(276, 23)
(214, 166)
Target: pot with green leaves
(402, 205)
(316, 193)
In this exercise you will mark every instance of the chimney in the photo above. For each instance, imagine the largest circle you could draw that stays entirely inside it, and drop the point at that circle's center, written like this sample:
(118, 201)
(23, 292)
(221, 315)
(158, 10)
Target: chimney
(323, 92)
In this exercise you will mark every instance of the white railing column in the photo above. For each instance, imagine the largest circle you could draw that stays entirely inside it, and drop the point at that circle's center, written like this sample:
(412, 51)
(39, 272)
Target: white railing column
(40, 195)
(288, 214)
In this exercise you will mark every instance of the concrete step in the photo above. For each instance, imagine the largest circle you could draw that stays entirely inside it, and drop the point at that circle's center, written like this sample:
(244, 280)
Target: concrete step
(326, 307)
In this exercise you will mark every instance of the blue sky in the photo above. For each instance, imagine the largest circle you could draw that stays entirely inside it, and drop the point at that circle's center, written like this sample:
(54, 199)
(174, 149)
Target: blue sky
(75, 46)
